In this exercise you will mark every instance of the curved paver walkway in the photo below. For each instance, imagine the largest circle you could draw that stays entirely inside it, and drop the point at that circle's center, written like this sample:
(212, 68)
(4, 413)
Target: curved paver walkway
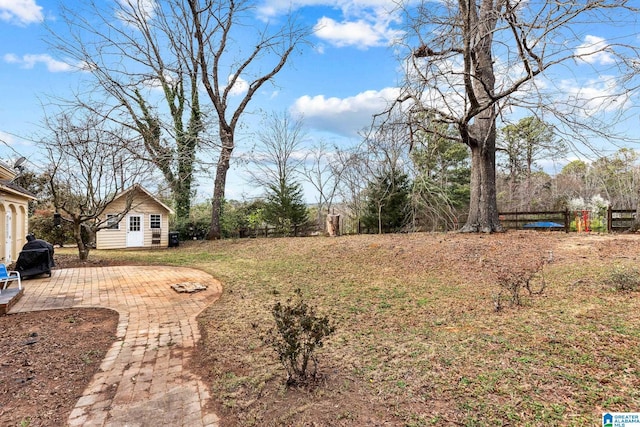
(142, 380)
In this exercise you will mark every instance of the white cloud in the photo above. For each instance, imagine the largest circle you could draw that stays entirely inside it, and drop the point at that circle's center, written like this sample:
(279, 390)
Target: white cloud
(271, 8)
(360, 33)
(343, 116)
(11, 58)
(134, 11)
(30, 60)
(594, 51)
(239, 88)
(361, 23)
(21, 12)
(6, 138)
(595, 96)
(13, 140)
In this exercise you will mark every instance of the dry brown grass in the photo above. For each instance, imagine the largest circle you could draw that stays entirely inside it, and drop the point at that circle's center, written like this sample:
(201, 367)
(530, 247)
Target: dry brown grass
(418, 340)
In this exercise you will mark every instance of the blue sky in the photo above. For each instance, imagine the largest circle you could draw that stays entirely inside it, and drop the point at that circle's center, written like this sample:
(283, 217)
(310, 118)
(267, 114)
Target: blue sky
(348, 73)
(338, 82)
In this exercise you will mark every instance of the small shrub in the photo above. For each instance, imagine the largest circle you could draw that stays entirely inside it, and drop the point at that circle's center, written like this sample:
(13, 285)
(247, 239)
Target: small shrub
(623, 278)
(514, 279)
(192, 229)
(297, 334)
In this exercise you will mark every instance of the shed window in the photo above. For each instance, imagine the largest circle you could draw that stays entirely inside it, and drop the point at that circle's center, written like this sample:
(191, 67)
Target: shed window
(112, 222)
(155, 221)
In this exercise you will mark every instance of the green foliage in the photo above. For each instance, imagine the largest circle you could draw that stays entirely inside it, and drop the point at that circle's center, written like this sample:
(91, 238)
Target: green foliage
(524, 142)
(232, 219)
(623, 278)
(577, 168)
(297, 334)
(441, 185)
(240, 219)
(38, 185)
(196, 225)
(42, 226)
(597, 210)
(237, 219)
(388, 202)
(285, 208)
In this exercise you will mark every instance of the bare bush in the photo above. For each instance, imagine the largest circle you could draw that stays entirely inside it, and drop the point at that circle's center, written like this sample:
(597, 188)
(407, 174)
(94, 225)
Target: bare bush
(516, 278)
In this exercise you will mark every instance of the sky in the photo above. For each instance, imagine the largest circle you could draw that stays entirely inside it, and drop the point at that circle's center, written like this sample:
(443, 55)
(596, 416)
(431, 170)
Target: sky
(343, 77)
(346, 74)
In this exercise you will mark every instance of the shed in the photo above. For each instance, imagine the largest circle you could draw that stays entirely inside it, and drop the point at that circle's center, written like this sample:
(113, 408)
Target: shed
(145, 225)
(14, 215)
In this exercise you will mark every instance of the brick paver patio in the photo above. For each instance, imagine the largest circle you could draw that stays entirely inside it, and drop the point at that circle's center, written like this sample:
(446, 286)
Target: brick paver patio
(142, 380)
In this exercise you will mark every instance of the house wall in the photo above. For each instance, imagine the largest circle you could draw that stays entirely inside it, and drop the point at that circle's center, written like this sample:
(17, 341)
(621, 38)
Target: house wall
(143, 206)
(12, 235)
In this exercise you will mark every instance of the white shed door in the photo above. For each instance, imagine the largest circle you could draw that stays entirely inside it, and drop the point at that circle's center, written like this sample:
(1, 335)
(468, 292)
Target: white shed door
(135, 232)
(8, 239)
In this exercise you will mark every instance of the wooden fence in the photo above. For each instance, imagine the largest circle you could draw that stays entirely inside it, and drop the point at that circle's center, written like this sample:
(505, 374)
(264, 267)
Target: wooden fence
(620, 219)
(617, 220)
(536, 220)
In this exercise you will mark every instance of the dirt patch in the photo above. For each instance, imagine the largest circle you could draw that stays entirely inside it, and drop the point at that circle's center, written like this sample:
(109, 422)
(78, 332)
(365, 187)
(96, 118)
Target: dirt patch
(47, 359)
(72, 261)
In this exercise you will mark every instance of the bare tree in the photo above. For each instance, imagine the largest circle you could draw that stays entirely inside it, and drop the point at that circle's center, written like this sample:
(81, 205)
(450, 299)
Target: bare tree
(323, 172)
(387, 163)
(275, 164)
(352, 185)
(472, 61)
(277, 156)
(383, 153)
(142, 72)
(87, 170)
(237, 58)
(574, 181)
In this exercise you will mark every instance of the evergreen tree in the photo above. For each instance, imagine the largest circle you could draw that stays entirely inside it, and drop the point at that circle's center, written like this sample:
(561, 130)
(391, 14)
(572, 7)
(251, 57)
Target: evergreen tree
(388, 202)
(285, 208)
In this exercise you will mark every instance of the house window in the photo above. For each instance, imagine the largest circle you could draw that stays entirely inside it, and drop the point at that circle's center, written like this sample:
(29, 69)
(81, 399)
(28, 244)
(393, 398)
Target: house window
(112, 222)
(154, 221)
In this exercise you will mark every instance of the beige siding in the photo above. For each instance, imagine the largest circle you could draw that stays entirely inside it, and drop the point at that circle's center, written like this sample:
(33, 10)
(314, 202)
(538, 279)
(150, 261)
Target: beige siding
(17, 207)
(143, 206)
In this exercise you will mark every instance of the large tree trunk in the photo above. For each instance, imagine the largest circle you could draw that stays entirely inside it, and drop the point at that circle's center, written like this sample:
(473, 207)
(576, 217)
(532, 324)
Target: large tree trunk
(219, 188)
(480, 131)
(483, 206)
(181, 187)
(182, 198)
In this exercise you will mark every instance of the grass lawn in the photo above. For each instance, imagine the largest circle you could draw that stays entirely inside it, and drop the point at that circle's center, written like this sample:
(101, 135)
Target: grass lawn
(418, 340)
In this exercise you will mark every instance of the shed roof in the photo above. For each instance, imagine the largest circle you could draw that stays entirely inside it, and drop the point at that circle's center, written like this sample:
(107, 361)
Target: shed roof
(138, 187)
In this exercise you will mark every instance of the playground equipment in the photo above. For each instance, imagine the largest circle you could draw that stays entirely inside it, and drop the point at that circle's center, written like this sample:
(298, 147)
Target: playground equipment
(582, 221)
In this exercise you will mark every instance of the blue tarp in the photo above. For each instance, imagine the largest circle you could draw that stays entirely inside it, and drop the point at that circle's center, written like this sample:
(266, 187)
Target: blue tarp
(543, 224)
